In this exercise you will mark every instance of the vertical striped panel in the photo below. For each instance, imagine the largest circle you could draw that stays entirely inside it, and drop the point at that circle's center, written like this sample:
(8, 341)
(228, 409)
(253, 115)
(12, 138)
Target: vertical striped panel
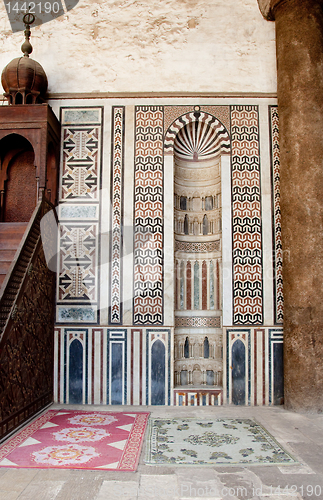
(117, 164)
(115, 365)
(57, 342)
(278, 252)
(188, 285)
(116, 374)
(97, 371)
(275, 365)
(204, 286)
(259, 366)
(136, 367)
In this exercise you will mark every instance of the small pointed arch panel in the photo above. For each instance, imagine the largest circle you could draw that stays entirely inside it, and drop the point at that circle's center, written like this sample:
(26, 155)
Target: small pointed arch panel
(197, 136)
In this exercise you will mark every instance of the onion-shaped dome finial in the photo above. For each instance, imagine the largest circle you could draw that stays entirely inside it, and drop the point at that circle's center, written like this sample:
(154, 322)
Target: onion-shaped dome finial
(23, 79)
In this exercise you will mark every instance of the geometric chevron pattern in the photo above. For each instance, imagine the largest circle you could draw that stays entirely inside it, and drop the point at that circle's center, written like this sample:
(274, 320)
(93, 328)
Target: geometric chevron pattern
(246, 217)
(148, 216)
(77, 280)
(117, 158)
(80, 160)
(278, 252)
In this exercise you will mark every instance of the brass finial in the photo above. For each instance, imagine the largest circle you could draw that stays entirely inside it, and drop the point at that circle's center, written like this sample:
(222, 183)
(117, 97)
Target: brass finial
(26, 47)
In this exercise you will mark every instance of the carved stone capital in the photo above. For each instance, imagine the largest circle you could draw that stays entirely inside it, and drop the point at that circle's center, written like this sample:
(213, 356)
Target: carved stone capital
(267, 8)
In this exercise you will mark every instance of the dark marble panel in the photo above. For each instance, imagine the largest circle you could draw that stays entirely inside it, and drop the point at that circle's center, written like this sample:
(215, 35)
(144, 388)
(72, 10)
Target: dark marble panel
(238, 373)
(186, 348)
(206, 348)
(116, 373)
(158, 373)
(278, 373)
(76, 373)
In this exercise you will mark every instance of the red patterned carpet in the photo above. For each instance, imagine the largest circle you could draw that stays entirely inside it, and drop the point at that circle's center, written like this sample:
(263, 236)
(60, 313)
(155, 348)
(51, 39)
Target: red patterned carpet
(78, 440)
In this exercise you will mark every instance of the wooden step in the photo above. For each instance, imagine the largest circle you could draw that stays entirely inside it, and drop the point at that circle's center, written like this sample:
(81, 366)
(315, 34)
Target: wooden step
(11, 234)
(13, 227)
(4, 266)
(7, 255)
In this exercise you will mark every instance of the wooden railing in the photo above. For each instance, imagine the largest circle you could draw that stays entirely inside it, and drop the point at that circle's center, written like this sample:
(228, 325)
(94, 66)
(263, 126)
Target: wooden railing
(26, 330)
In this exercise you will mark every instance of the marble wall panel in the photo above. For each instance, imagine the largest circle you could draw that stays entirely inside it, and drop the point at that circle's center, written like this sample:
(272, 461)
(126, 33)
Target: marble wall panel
(78, 246)
(246, 217)
(260, 363)
(112, 366)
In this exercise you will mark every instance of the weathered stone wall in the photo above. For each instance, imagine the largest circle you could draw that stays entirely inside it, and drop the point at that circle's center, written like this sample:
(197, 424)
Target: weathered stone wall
(153, 46)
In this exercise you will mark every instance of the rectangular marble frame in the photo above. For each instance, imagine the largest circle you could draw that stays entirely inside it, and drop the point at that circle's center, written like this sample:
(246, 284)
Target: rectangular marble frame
(229, 343)
(167, 344)
(116, 336)
(275, 337)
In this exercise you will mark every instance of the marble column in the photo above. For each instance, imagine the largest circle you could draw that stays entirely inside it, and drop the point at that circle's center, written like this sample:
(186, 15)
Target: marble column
(299, 46)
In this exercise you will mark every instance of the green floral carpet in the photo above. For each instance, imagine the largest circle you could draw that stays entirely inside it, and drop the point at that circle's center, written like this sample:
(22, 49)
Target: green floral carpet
(222, 441)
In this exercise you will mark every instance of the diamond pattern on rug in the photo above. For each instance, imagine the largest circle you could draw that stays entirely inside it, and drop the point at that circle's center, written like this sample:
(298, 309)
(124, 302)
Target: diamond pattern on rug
(218, 441)
(78, 440)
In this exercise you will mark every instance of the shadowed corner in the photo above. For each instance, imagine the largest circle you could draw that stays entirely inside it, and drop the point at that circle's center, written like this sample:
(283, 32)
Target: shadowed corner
(49, 234)
(44, 11)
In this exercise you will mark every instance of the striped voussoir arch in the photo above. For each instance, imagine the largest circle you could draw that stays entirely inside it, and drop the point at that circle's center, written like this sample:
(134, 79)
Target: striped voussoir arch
(196, 136)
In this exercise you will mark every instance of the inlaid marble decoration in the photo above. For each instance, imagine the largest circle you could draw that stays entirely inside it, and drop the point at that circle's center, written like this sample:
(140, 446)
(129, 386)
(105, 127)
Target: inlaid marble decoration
(148, 216)
(198, 321)
(158, 351)
(77, 279)
(76, 314)
(112, 365)
(246, 217)
(276, 366)
(78, 251)
(199, 247)
(171, 113)
(80, 161)
(254, 366)
(197, 135)
(117, 159)
(278, 252)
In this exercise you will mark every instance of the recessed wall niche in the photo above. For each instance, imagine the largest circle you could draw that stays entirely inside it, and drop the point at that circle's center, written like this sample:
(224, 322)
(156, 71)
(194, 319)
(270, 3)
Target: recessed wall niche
(197, 228)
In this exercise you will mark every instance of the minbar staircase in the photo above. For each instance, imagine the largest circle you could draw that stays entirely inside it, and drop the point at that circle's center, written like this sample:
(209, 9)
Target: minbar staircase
(26, 322)
(11, 234)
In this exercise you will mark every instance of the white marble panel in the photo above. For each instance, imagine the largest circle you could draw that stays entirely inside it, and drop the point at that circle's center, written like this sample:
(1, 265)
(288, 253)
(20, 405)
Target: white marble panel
(56, 361)
(267, 216)
(136, 367)
(226, 196)
(89, 368)
(97, 366)
(169, 281)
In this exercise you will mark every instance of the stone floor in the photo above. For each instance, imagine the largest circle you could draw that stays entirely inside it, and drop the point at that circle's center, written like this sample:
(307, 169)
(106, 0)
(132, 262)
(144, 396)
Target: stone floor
(300, 434)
